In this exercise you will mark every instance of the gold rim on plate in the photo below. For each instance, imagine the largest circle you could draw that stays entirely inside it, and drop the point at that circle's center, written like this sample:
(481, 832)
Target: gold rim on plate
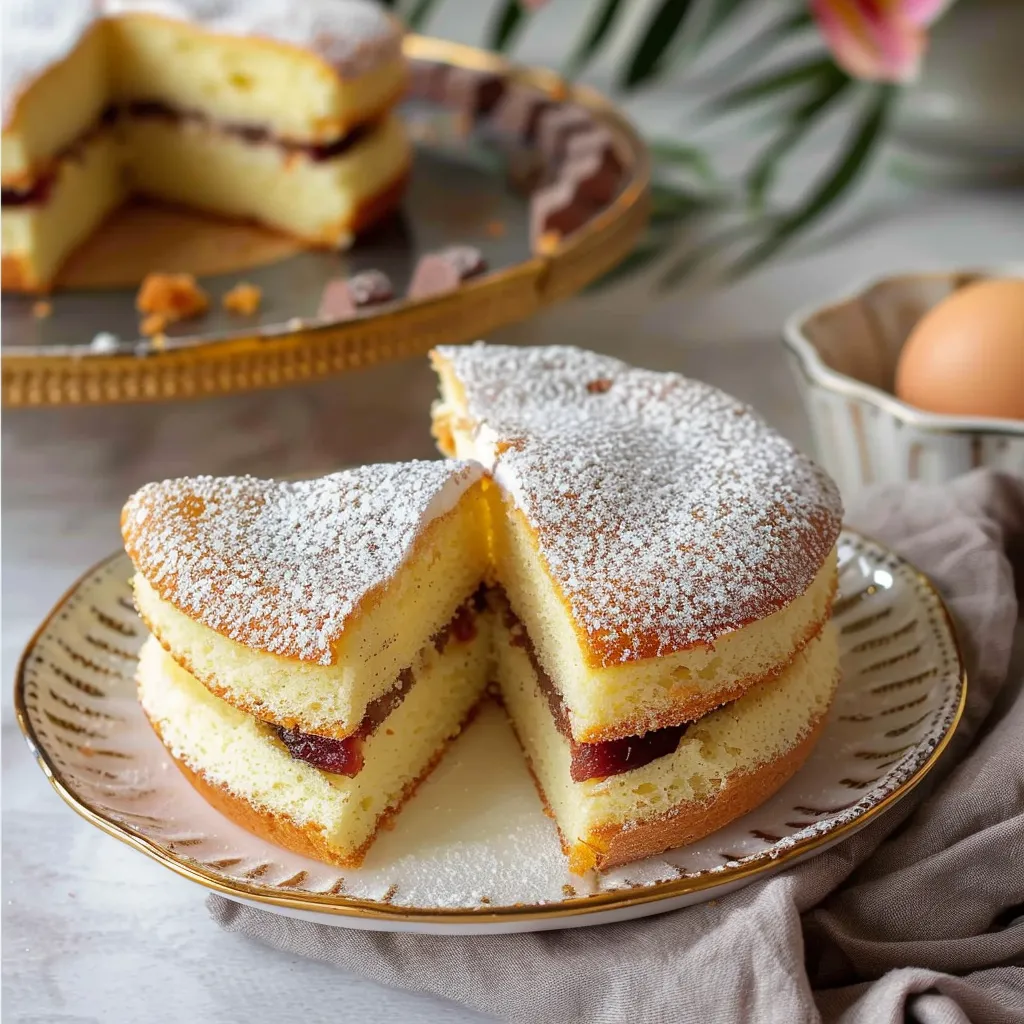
(249, 362)
(620, 898)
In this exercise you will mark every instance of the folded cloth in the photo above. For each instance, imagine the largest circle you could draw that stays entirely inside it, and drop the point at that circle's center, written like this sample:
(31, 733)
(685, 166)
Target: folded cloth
(919, 916)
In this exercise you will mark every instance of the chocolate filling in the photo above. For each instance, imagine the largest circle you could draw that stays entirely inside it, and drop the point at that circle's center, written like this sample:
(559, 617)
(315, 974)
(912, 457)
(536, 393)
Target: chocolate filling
(253, 134)
(589, 760)
(345, 756)
(39, 192)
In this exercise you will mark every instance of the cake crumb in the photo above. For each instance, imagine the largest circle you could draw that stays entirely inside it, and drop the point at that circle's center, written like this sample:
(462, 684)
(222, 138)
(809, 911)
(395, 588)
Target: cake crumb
(153, 324)
(172, 296)
(42, 309)
(495, 228)
(549, 241)
(243, 299)
(159, 341)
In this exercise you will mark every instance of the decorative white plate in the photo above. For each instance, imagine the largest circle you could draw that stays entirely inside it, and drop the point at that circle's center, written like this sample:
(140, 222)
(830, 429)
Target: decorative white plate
(473, 850)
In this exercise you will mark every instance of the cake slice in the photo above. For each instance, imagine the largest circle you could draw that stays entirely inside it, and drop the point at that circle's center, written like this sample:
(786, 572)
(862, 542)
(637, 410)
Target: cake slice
(243, 108)
(631, 798)
(662, 553)
(312, 642)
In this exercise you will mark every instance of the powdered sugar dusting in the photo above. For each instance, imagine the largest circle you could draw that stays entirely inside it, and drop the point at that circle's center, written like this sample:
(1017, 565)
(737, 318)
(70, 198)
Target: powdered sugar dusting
(668, 512)
(281, 566)
(353, 36)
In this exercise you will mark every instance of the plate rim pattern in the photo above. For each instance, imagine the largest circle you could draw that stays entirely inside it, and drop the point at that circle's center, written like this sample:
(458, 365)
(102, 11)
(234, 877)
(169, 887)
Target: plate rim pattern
(607, 900)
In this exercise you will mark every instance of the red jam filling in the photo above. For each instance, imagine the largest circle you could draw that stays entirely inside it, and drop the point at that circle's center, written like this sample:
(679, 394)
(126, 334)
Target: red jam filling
(345, 757)
(591, 760)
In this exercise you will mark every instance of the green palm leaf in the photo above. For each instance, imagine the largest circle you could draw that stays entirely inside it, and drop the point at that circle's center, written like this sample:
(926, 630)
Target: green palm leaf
(597, 33)
(853, 161)
(694, 258)
(764, 42)
(506, 25)
(761, 175)
(655, 41)
(772, 83)
(719, 14)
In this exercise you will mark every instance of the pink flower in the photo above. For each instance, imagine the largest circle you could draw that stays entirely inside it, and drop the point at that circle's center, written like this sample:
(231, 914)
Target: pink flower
(882, 40)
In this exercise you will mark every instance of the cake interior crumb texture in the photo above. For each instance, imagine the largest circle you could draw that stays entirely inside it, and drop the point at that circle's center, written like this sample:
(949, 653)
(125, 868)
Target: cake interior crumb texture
(243, 756)
(240, 108)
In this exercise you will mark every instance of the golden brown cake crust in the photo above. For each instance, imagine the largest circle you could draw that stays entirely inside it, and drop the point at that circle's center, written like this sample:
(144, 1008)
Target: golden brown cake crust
(282, 831)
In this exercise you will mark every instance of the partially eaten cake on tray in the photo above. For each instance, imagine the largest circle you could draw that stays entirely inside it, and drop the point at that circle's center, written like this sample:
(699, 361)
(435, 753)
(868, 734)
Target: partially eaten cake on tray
(636, 564)
(246, 108)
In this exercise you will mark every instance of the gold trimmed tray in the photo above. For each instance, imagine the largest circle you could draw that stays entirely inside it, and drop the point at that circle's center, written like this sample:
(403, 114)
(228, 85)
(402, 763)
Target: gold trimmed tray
(293, 351)
(473, 851)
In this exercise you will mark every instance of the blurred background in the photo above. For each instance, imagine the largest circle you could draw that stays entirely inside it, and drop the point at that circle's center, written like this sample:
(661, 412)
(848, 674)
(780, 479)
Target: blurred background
(801, 150)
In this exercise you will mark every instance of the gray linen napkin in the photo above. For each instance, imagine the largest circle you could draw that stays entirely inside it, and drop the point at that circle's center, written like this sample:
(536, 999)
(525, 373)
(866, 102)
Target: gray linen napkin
(920, 916)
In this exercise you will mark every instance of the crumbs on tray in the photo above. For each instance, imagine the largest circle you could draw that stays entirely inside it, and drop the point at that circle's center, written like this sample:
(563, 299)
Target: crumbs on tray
(243, 298)
(167, 298)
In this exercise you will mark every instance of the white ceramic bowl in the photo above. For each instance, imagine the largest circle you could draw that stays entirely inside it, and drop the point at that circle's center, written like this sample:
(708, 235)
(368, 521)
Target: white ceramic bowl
(844, 355)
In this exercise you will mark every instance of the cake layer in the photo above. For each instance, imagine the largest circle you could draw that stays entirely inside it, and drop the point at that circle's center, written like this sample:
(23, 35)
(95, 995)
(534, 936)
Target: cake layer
(607, 702)
(346, 756)
(297, 93)
(304, 627)
(241, 766)
(38, 236)
(725, 764)
(63, 103)
(322, 195)
(322, 201)
(309, 71)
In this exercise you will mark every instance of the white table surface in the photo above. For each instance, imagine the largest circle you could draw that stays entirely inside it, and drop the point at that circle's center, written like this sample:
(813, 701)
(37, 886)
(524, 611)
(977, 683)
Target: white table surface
(93, 931)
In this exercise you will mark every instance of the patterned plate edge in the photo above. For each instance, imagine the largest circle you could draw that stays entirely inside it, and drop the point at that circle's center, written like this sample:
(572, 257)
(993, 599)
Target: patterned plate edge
(614, 899)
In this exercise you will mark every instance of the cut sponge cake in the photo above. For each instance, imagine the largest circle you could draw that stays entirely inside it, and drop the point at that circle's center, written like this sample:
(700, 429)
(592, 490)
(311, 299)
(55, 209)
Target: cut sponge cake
(664, 548)
(244, 107)
(639, 564)
(723, 765)
(241, 765)
(301, 603)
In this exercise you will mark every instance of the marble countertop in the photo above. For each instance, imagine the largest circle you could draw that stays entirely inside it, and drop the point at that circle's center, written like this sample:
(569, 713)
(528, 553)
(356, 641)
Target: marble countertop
(92, 930)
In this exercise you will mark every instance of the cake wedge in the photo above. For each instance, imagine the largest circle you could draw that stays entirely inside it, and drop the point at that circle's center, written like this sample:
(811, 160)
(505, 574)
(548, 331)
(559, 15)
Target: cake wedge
(314, 644)
(667, 565)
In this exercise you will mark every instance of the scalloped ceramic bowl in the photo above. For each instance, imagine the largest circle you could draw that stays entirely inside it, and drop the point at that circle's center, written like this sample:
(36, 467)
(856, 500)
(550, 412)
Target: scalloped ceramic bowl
(844, 355)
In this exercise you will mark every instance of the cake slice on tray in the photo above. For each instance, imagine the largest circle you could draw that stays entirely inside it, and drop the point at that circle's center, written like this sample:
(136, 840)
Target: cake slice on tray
(668, 565)
(315, 644)
(246, 108)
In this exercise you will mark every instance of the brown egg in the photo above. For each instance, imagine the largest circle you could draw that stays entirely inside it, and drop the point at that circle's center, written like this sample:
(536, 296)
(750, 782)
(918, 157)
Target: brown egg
(965, 357)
